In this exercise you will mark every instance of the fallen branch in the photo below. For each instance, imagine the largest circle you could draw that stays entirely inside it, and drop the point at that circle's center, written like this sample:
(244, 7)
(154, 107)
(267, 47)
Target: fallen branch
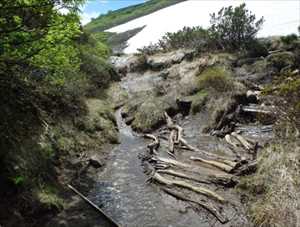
(182, 175)
(154, 145)
(171, 162)
(171, 141)
(94, 206)
(186, 185)
(206, 206)
(243, 141)
(229, 141)
(216, 164)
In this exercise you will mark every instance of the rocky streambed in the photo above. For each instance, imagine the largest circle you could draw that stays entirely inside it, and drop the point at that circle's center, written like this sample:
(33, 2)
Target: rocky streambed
(189, 182)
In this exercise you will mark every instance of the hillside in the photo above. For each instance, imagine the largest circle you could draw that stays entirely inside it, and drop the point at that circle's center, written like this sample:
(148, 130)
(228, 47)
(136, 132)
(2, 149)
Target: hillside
(124, 15)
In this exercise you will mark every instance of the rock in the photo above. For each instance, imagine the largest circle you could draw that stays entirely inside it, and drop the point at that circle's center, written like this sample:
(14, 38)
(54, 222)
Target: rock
(129, 120)
(253, 96)
(165, 60)
(95, 162)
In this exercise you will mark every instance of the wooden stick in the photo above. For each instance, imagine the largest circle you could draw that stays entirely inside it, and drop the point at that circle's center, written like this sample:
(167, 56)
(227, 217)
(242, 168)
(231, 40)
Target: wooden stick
(94, 206)
(171, 141)
(206, 206)
(172, 162)
(183, 184)
(243, 141)
(154, 145)
(182, 175)
(219, 165)
(229, 141)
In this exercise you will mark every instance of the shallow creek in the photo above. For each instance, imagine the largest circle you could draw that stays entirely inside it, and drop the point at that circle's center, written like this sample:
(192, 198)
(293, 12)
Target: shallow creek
(122, 191)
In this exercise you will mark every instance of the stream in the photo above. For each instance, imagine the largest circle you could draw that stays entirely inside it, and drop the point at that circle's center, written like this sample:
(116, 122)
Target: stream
(124, 195)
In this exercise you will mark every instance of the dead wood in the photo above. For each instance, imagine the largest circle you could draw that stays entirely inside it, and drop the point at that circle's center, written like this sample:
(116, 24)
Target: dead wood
(171, 141)
(228, 139)
(206, 206)
(183, 184)
(182, 175)
(216, 164)
(171, 162)
(246, 169)
(154, 145)
(257, 110)
(243, 141)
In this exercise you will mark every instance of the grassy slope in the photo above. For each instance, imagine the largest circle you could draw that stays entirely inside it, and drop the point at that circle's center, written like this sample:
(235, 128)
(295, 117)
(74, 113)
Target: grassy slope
(124, 15)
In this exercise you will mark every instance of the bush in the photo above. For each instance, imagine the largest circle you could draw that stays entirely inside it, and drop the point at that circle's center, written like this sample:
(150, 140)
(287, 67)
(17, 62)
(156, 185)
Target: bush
(289, 39)
(233, 28)
(187, 38)
(256, 49)
(281, 60)
(215, 78)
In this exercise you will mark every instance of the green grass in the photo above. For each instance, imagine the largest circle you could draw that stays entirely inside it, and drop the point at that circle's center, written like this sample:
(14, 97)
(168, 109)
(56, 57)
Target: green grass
(215, 78)
(124, 15)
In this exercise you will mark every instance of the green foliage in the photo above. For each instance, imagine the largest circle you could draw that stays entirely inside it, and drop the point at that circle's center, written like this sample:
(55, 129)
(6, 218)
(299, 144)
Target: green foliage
(190, 38)
(233, 28)
(215, 78)
(18, 180)
(114, 18)
(256, 48)
(48, 197)
(198, 101)
(281, 60)
(289, 39)
(30, 26)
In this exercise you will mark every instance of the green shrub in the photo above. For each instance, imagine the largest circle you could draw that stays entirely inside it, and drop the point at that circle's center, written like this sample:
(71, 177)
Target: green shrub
(281, 60)
(215, 78)
(289, 39)
(233, 28)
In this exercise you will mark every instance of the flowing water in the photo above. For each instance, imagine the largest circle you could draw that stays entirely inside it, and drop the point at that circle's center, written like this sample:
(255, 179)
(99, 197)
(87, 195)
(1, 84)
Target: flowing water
(123, 193)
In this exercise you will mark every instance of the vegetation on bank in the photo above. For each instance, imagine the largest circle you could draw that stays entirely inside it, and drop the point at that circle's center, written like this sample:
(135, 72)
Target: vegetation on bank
(50, 70)
(117, 17)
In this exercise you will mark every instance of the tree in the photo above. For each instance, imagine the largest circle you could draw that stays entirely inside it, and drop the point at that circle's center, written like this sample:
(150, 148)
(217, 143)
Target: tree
(28, 27)
(234, 28)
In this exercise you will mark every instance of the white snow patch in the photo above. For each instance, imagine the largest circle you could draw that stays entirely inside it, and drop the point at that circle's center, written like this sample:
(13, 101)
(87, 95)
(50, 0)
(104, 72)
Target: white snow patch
(282, 17)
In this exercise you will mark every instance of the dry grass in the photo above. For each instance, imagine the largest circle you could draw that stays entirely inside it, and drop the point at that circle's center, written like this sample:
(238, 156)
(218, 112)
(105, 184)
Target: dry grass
(274, 188)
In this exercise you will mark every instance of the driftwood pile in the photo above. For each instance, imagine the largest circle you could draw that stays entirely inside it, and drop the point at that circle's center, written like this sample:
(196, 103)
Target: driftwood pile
(178, 178)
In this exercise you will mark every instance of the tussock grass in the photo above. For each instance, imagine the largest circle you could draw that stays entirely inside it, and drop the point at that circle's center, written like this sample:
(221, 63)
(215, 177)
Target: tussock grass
(274, 188)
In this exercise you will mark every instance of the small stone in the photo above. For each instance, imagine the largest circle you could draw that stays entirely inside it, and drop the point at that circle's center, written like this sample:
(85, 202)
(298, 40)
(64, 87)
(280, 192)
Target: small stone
(95, 162)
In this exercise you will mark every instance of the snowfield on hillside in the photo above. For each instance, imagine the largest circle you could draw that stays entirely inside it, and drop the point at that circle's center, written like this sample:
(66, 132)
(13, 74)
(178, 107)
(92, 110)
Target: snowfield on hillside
(280, 19)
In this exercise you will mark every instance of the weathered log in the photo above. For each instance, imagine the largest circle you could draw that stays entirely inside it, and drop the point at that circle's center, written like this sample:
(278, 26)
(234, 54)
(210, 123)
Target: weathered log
(229, 141)
(216, 164)
(171, 141)
(183, 184)
(243, 141)
(154, 145)
(182, 175)
(171, 162)
(206, 206)
(257, 109)
(246, 169)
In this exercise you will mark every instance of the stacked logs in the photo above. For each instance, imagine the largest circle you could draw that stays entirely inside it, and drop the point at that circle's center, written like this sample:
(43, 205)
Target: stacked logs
(230, 169)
